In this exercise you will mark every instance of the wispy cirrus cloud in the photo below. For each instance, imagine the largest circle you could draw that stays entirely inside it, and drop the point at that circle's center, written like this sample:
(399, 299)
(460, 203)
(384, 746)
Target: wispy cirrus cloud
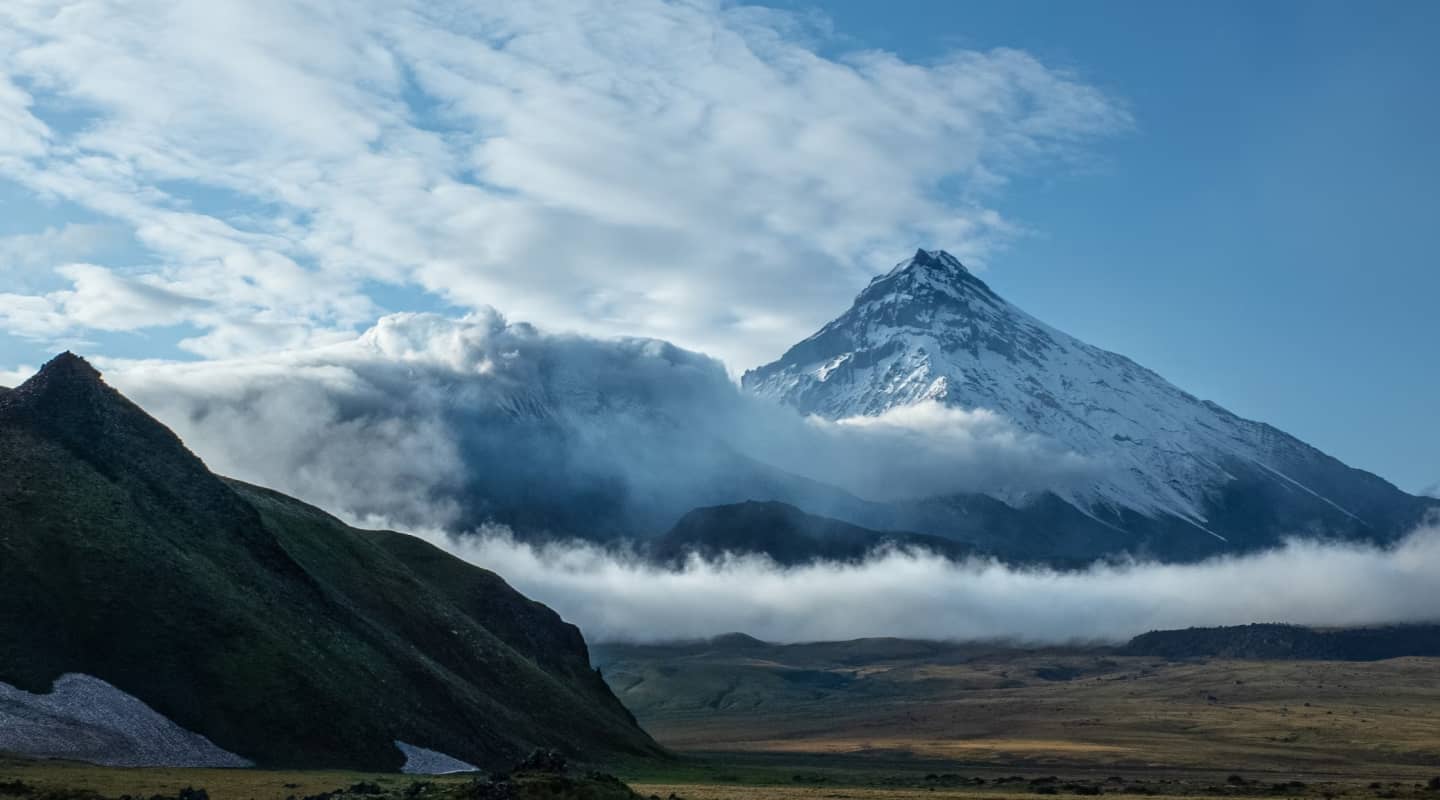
(696, 171)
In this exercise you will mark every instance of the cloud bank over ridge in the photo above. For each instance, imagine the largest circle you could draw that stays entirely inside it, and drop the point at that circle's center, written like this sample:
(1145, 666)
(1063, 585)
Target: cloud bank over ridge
(428, 421)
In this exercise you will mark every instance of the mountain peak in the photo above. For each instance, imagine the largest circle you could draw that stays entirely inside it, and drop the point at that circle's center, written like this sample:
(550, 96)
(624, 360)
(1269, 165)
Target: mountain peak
(59, 384)
(69, 404)
(929, 295)
(66, 367)
(931, 262)
(70, 363)
(937, 258)
(68, 396)
(927, 276)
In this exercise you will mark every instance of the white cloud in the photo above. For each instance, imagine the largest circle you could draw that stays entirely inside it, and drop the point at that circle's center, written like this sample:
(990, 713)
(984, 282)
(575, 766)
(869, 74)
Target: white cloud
(914, 594)
(690, 170)
(21, 134)
(104, 300)
(916, 451)
(15, 377)
(436, 422)
(31, 315)
(98, 299)
(53, 246)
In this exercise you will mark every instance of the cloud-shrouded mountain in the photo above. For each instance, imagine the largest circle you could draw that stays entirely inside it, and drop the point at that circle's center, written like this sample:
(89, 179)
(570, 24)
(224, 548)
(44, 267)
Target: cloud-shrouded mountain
(453, 424)
(930, 331)
(932, 407)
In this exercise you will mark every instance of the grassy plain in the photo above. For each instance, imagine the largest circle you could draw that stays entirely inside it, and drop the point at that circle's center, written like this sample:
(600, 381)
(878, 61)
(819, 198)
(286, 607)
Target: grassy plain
(220, 784)
(883, 719)
(729, 777)
(1076, 710)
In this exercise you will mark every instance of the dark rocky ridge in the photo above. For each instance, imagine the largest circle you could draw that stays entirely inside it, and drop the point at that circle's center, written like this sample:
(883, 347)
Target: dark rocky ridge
(1271, 641)
(264, 624)
(68, 404)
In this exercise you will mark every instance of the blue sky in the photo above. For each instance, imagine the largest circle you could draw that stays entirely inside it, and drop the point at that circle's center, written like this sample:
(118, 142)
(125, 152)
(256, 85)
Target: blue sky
(1236, 195)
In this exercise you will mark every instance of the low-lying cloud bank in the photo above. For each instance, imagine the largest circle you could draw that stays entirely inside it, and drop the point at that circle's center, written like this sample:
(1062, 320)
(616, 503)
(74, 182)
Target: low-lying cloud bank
(919, 595)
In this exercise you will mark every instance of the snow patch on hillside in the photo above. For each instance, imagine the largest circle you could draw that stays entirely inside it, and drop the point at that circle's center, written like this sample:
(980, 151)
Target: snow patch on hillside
(423, 761)
(86, 719)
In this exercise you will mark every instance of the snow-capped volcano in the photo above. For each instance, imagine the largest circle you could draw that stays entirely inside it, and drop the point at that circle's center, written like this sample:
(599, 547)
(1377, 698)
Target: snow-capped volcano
(929, 330)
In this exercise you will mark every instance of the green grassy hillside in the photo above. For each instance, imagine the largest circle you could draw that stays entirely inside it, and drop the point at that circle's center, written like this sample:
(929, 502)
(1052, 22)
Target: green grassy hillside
(264, 624)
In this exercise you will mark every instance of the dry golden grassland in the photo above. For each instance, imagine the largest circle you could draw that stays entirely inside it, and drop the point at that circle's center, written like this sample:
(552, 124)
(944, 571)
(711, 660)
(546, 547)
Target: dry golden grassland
(806, 723)
(1371, 720)
(220, 784)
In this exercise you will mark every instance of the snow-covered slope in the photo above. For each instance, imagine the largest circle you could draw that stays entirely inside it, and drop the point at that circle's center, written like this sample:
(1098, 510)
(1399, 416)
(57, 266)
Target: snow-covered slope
(83, 718)
(930, 330)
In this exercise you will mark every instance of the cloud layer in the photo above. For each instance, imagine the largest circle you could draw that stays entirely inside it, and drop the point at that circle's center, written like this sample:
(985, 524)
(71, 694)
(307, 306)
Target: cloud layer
(909, 594)
(441, 425)
(693, 170)
(428, 421)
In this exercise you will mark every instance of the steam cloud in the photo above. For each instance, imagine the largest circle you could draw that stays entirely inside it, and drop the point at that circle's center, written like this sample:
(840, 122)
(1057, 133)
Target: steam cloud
(919, 595)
